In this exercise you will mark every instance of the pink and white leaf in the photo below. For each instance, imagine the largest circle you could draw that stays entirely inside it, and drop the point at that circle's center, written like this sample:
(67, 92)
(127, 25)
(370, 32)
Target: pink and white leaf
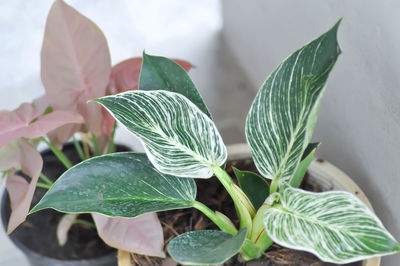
(75, 64)
(141, 235)
(26, 157)
(27, 121)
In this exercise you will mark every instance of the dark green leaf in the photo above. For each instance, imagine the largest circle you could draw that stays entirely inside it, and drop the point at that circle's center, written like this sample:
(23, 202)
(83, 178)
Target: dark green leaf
(119, 184)
(254, 186)
(205, 247)
(301, 170)
(160, 73)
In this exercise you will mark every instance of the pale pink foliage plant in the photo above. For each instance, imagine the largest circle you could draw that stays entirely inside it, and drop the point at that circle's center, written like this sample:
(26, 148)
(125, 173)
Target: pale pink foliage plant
(75, 67)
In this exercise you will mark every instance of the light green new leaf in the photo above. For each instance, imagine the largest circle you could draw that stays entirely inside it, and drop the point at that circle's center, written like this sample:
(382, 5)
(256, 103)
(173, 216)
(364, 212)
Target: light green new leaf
(119, 184)
(306, 159)
(335, 226)
(282, 117)
(160, 73)
(205, 247)
(178, 138)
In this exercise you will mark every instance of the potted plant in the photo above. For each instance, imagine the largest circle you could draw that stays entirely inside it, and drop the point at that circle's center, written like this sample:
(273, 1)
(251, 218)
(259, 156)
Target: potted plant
(75, 67)
(182, 144)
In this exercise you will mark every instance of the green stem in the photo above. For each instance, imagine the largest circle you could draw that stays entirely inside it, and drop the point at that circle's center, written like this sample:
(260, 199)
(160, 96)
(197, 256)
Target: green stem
(227, 182)
(78, 149)
(111, 146)
(95, 146)
(84, 222)
(86, 149)
(226, 227)
(43, 185)
(59, 154)
(46, 179)
(274, 186)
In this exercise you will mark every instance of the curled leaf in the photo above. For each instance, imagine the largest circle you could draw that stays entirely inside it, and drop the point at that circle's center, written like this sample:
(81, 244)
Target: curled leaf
(63, 227)
(22, 155)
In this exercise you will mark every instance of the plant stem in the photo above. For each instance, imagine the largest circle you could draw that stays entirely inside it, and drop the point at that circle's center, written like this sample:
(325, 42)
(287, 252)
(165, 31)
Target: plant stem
(111, 146)
(85, 149)
(227, 228)
(227, 182)
(78, 149)
(59, 154)
(46, 179)
(84, 222)
(274, 186)
(43, 185)
(95, 146)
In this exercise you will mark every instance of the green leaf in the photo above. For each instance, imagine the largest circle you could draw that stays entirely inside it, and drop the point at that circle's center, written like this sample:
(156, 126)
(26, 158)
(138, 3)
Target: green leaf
(160, 73)
(205, 247)
(282, 117)
(335, 226)
(178, 138)
(301, 170)
(254, 186)
(119, 184)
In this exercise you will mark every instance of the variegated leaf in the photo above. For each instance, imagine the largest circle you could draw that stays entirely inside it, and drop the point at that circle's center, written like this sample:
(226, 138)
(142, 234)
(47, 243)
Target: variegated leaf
(282, 117)
(336, 226)
(178, 137)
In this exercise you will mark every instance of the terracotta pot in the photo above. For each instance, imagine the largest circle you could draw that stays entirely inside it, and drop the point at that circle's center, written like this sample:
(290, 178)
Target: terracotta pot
(321, 172)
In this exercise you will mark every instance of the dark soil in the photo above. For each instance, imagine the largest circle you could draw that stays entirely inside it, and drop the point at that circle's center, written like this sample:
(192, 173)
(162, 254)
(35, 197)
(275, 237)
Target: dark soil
(38, 232)
(211, 193)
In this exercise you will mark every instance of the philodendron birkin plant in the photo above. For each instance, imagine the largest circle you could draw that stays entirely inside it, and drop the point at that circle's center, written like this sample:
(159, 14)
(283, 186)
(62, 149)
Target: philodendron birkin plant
(75, 67)
(181, 142)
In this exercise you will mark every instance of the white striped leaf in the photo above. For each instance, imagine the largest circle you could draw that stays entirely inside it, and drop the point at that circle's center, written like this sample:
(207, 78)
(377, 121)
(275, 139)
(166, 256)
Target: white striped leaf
(282, 117)
(178, 137)
(160, 73)
(335, 226)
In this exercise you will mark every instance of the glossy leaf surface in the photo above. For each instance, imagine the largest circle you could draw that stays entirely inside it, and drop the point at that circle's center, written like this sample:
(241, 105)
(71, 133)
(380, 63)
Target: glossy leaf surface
(119, 184)
(254, 186)
(178, 138)
(205, 247)
(282, 117)
(335, 226)
(160, 73)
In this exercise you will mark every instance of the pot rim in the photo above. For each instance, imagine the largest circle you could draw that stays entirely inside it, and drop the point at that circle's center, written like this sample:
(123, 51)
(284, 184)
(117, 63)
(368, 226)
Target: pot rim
(331, 176)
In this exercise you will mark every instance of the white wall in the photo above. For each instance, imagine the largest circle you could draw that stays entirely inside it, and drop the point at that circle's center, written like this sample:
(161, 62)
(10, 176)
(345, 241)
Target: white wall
(359, 122)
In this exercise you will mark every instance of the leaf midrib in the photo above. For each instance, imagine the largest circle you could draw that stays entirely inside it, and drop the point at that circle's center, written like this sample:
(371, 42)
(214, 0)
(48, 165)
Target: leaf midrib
(314, 221)
(134, 198)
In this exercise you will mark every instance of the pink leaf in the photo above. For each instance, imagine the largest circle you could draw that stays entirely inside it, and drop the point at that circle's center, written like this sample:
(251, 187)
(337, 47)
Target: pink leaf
(75, 64)
(30, 161)
(63, 227)
(26, 121)
(142, 235)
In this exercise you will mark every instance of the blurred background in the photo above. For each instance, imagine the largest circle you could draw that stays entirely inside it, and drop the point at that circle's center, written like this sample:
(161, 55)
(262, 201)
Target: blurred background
(234, 45)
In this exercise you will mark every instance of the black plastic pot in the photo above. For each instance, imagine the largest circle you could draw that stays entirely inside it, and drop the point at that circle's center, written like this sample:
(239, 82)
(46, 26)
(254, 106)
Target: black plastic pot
(43, 249)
